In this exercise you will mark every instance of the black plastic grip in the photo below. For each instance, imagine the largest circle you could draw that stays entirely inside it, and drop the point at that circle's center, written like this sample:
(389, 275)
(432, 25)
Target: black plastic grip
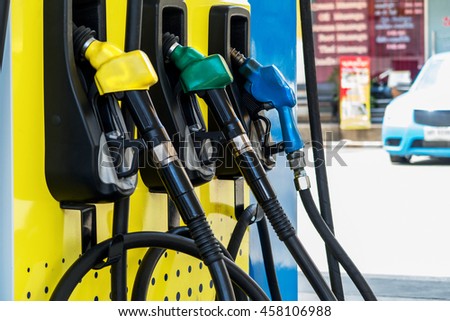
(220, 107)
(140, 106)
(205, 240)
(181, 191)
(278, 219)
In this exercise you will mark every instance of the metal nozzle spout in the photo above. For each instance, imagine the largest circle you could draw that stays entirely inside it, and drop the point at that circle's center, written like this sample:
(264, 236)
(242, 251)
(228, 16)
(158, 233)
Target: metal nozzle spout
(297, 162)
(237, 57)
(170, 42)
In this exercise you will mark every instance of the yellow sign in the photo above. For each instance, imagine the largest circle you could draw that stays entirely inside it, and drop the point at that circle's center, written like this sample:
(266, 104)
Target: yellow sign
(354, 92)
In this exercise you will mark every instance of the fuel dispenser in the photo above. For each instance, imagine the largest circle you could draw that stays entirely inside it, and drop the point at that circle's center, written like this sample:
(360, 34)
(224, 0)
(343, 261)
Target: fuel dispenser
(211, 87)
(92, 194)
(229, 27)
(179, 112)
(267, 86)
(113, 123)
(79, 138)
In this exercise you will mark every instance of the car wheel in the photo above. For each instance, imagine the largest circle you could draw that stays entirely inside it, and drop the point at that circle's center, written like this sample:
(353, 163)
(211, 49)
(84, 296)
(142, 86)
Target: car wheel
(399, 159)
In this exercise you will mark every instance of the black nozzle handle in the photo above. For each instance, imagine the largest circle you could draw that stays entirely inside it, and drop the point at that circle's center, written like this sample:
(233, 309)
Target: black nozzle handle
(142, 110)
(222, 110)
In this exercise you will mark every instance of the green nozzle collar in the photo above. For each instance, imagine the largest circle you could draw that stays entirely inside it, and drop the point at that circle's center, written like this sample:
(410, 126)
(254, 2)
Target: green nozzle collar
(199, 72)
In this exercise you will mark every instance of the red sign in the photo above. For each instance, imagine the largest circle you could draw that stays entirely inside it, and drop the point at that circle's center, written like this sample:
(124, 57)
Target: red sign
(397, 27)
(340, 28)
(391, 32)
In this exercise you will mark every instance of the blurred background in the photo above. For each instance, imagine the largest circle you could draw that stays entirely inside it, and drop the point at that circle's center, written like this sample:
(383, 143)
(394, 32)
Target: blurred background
(382, 72)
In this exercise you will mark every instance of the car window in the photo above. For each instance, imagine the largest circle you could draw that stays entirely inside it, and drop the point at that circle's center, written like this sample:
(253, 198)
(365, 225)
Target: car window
(435, 75)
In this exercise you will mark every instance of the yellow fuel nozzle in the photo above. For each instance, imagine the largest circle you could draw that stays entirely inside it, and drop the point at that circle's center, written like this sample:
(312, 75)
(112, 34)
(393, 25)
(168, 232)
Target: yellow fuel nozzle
(117, 70)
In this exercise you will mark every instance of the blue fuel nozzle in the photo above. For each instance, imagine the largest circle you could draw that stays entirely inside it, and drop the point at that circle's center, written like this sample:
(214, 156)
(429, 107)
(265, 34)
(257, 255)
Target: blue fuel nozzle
(267, 85)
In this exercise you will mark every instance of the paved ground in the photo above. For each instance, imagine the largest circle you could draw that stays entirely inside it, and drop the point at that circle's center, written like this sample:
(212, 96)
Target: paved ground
(393, 220)
(332, 132)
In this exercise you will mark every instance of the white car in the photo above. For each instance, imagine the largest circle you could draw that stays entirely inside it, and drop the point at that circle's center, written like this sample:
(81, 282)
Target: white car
(418, 121)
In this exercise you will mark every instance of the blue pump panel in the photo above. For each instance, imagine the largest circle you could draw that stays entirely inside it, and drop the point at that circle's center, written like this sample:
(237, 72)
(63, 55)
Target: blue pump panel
(273, 41)
(6, 172)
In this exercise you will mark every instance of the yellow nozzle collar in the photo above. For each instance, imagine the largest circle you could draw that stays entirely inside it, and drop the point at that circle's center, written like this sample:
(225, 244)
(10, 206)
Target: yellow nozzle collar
(120, 71)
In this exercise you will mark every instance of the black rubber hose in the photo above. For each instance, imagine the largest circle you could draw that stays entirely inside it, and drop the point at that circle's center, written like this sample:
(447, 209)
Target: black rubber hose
(286, 233)
(178, 186)
(335, 247)
(256, 178)
(145, 272)
(148, 265)
(133, 36)
(243, 222)
(121, 207)
(212, 255)
(4, 13)
(251, 168)
(133, 25)
(150, 261)
(89, 259)
(219, 275)
(119, 269)
(317, 140)
(269, 264)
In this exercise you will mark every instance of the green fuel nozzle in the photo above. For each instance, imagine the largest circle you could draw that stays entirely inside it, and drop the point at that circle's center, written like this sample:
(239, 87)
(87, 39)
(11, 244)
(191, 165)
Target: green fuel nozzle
(198, 72)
